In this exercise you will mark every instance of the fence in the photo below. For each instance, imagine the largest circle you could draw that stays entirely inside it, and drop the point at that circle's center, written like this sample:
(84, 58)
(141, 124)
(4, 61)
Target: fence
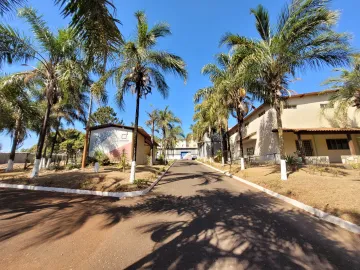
(19, 157)
(22, 157)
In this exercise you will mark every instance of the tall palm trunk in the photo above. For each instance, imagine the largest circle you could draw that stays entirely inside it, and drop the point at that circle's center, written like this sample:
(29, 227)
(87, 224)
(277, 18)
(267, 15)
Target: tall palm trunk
(229, 147)
(240, 124)
(40, 145)
(164, 145)
(152, 143)
(279, 128)
(14, 145)
(86, 140)
(53, 143)
(212, 147)
(222, 147)
(133, 163)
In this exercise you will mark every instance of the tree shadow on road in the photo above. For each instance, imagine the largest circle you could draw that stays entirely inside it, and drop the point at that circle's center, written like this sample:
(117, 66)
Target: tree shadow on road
(218, 229)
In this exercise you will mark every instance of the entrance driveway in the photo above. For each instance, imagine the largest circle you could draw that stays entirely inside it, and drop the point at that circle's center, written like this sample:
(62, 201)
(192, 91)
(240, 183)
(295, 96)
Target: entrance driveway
(194, 219)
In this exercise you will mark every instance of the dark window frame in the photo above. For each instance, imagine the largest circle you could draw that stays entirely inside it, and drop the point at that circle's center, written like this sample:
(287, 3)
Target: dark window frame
(337, 144)
(262, 113)
(251, 152)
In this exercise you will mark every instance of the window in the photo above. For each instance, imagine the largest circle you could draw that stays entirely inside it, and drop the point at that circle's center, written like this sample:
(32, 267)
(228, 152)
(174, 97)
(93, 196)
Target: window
(290, 107)
(261, 114)
(307, 147)
(326, 105)
(337, 144)
(250, 151)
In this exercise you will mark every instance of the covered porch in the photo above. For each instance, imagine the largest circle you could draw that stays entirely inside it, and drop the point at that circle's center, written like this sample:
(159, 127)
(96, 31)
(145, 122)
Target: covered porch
(333, 144)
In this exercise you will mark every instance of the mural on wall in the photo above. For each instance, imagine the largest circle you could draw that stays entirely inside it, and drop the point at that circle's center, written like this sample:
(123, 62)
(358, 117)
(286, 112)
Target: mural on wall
(111, 141)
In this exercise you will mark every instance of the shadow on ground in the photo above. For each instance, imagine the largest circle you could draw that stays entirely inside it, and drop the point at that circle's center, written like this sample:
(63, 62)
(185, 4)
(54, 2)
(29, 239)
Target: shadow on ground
(217, 228)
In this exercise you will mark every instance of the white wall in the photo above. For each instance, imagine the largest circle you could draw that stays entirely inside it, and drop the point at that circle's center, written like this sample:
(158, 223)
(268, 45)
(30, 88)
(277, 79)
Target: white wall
(111, 141)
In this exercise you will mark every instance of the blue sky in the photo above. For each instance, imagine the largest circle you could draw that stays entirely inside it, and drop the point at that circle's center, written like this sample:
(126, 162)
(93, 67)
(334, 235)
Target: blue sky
(197, 27)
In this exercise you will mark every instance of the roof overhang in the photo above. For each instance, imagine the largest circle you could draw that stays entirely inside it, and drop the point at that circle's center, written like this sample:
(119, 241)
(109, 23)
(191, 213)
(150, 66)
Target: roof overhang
(321, 130)
(248, 137)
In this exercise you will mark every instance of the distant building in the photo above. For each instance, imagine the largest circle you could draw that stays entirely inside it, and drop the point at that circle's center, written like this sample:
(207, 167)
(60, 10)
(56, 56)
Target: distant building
(112, 139)
(181, 149)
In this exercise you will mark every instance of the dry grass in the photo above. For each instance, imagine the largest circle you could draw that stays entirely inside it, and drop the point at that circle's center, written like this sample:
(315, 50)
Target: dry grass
(109, 178)
(332, 189)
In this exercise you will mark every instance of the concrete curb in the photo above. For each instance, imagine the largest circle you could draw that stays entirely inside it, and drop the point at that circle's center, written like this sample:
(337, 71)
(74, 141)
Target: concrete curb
(314, 211)
(119, 195)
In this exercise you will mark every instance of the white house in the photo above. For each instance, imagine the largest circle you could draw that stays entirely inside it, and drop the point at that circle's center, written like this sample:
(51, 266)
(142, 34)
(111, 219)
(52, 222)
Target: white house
(113, 139)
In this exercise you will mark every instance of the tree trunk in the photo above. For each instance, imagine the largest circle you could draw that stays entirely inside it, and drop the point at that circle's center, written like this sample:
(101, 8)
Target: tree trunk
(53, 144)
(240, 124)
(212, 148)
(279, 128)
(41, 141)
(229, 147)
(164, 145)
(14, 145)
(86, 140)
(133, 163)
(152, 144)
(301, 148)
(222, 147)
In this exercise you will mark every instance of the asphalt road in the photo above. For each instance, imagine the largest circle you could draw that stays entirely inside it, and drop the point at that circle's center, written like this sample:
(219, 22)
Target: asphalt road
(194, 219)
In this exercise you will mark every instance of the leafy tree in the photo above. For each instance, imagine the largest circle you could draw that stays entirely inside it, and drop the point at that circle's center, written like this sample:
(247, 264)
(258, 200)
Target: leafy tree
(59, 67)
(105, 115)
(141, 69)
(303, 38)
(72, 143)
(151, 123)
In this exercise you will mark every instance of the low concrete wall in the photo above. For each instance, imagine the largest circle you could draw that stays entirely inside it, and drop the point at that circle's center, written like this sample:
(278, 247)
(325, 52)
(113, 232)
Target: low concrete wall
(350, 159)
(19, 157)
(318, 160)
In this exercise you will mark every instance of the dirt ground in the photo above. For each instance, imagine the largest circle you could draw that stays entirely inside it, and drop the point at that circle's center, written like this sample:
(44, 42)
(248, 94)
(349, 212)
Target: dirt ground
(334, 190)
(110, 178)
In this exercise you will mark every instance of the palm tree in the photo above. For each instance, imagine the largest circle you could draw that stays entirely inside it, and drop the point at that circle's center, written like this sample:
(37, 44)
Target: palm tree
(348, 89)
(9, 5)
(22, 116)
(58, 69)
(166, 120)
(174, 134)
(70, 110)
(152, 123)
(141, 69)
(303, 39)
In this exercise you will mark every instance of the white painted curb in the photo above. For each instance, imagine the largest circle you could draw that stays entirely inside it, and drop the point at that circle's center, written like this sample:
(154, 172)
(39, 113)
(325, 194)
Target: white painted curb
(316, 212)
(119, 195)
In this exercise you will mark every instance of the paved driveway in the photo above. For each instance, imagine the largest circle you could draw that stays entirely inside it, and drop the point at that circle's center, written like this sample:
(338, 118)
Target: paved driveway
(194, 219)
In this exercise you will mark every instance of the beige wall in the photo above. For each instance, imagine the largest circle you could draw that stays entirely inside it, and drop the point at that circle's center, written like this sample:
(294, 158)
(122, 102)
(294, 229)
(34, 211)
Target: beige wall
(308, 114)
(141, 158)
(264, 141)
(319, 145)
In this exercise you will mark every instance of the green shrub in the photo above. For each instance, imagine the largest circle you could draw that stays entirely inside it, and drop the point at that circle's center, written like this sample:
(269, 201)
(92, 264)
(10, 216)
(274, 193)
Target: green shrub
(90, 161)
(123, 160)
(141, 183)
(291, 162)
(102, 158)
(71, 166)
